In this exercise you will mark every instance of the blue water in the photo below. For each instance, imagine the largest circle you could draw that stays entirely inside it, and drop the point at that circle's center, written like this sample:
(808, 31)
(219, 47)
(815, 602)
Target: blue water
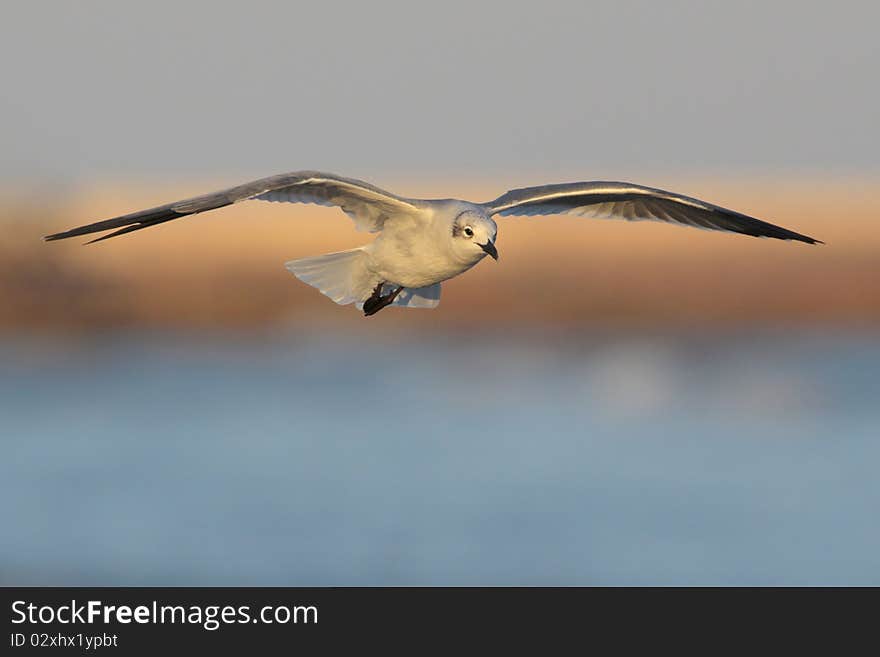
(151, 459)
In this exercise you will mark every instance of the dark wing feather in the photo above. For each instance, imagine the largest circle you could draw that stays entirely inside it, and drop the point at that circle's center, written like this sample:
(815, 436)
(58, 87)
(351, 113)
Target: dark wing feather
(617, 200)
(368, 205)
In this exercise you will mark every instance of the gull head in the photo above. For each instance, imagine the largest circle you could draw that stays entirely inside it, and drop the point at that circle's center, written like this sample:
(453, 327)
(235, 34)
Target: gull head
(473, 236)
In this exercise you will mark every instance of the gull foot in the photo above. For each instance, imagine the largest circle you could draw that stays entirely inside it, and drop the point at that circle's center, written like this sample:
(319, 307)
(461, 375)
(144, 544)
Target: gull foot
(377, 301)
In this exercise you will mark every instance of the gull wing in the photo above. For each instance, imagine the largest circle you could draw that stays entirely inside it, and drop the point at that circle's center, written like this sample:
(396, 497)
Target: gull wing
(619, 200)
(366, 204)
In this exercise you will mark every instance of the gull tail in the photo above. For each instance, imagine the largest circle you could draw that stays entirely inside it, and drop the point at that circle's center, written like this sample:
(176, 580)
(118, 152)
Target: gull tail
(342, 276)
(346, 278)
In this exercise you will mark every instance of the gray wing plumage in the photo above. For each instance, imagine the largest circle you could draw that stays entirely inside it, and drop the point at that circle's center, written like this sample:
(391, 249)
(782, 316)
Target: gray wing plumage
(368, 205)
(618, 200)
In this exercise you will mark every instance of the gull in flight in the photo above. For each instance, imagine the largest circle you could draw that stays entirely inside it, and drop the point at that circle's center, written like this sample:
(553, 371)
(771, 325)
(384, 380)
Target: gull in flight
(422, 243)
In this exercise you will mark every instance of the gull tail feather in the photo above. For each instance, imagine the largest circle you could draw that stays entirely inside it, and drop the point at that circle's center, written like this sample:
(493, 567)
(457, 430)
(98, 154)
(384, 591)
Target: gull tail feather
(342, 276)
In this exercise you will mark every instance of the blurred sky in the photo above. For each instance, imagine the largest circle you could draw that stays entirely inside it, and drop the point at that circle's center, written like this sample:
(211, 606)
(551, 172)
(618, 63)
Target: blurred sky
(96, 90)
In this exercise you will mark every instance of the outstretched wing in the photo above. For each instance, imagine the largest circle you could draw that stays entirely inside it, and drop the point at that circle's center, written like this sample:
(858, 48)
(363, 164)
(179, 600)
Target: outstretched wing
(617, 200)
(368, 205)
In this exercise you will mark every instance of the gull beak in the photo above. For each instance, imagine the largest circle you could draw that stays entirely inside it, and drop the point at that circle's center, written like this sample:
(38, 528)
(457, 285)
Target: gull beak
(489, 247)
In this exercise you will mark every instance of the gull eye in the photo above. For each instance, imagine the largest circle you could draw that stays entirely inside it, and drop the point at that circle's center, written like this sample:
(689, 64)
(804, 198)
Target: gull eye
(468, 231)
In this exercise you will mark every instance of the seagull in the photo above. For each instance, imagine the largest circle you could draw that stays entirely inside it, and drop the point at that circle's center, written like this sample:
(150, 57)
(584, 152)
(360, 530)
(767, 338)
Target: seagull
(422, 242)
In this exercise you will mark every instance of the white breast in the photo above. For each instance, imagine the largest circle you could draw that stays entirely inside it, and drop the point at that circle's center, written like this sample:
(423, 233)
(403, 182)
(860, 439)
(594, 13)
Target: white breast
(414, 256)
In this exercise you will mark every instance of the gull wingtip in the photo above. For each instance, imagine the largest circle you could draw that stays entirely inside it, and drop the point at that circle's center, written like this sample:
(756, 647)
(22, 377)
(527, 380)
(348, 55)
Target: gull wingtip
(57, 236)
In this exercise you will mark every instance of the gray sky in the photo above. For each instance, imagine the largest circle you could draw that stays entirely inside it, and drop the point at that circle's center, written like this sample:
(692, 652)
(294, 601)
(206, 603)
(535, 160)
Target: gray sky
(573, 89)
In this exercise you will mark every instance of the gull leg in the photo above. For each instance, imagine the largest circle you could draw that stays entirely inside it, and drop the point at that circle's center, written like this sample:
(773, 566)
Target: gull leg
(371, 303)
(377, 301)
